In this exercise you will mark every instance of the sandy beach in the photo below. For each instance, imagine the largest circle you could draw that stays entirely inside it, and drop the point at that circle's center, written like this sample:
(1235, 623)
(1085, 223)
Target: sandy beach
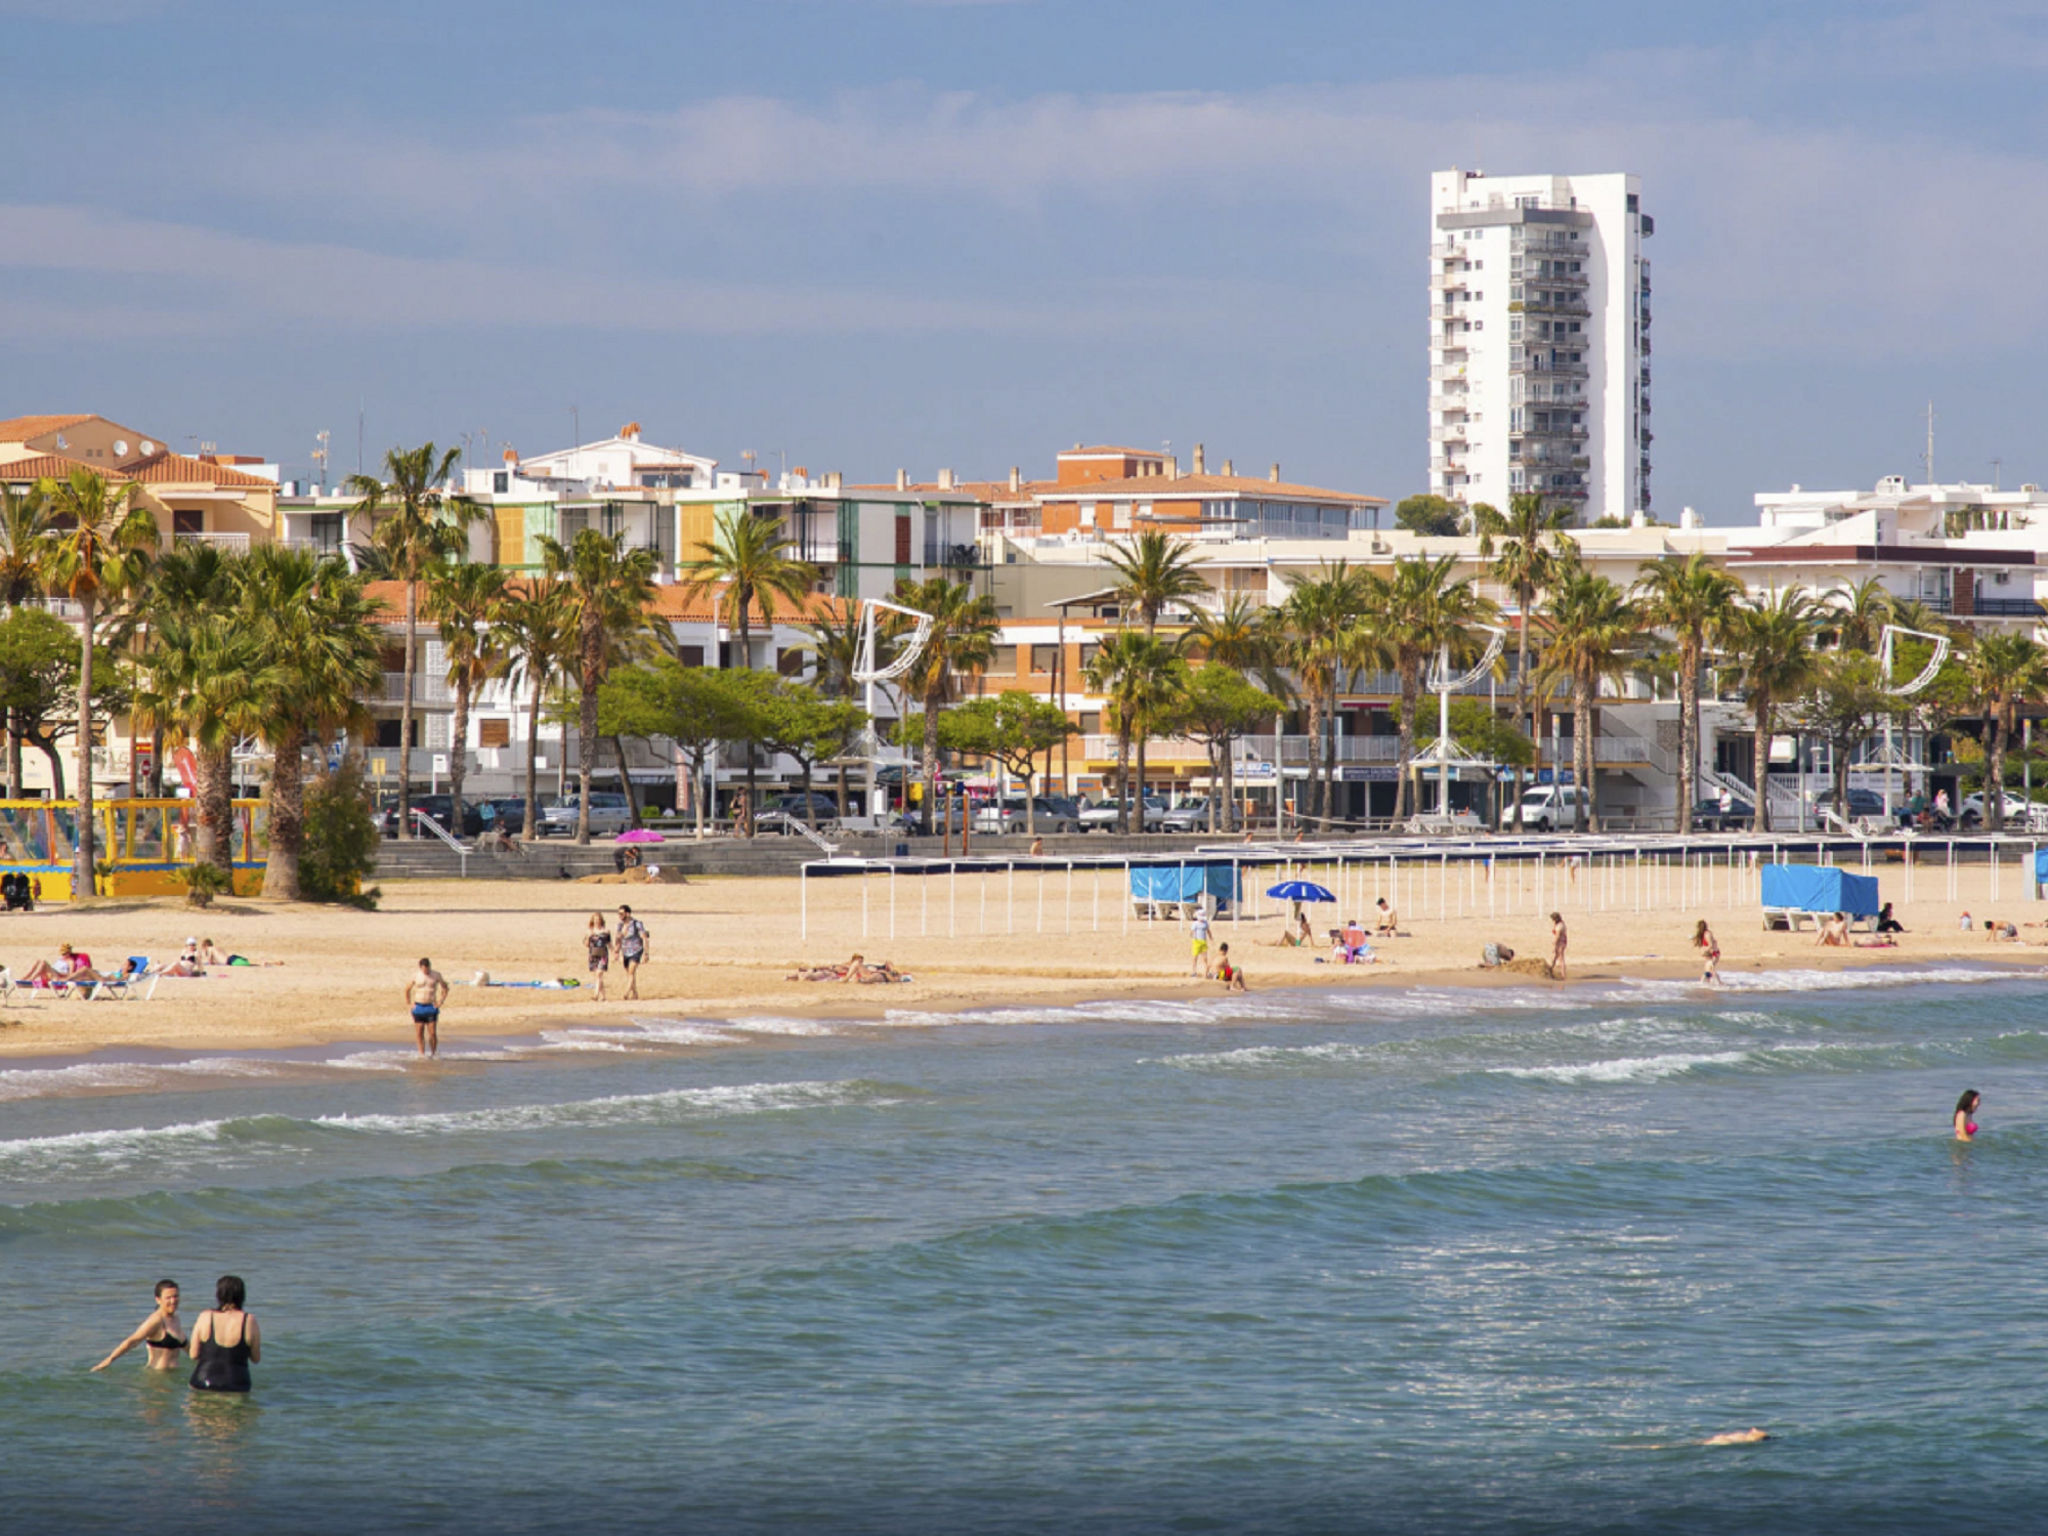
(724, 947)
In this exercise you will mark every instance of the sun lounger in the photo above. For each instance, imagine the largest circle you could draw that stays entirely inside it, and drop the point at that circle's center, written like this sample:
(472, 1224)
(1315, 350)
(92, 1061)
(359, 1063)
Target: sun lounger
(132, 975)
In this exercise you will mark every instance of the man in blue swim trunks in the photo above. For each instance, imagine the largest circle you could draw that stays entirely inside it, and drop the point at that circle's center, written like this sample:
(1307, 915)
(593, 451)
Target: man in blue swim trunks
(425, 993)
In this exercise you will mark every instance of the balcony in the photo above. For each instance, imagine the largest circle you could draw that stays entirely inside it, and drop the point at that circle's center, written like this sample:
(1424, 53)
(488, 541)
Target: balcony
(1549, 369)
(232, 543)
(426, 689)
(2008, 608)
(1458, 403)
(1447, 311)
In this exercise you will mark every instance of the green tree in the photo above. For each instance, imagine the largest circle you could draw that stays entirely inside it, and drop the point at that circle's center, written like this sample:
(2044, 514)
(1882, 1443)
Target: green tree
(1416, 612)
(694, 707)
(749, 555)
(533, 632)
(99, 551)
(1014, 728)
(2003, 671)
(794, 719)
(1855, 616)
(1848, 701)
(1480, 730)
(1690, 596)
(834, 643)
(607, 590)
(1321, 633)
(464, 601)
(961, 643)
(1533, 552)
(202, 674)
(1137, 676)
(1219, 705)
(1591, 626)
(1154, 571)
(414, 525)
(318, 652)
(341, 837)
(1430, 515)
(1770, 641)
(39, 685)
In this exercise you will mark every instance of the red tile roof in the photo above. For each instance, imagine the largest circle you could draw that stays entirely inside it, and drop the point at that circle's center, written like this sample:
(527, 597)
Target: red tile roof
(673, 602)
(19, 429)
(1190, 487)
(168, 468)
(51, 466)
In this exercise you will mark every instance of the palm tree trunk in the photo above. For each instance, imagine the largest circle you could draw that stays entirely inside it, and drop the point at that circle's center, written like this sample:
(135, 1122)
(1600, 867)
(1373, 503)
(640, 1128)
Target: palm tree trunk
(458, 755)
(1688, 732)
(1123, 773)
(745, 598)
(1331, 759)
(1994, 774)
(586, 721)
(1135, 809)
(530, 823)
(1411, 700)
(1312, 787)
(82, 865)
(14, 754)
(287, 815)
(1587, 735)
(1761, 748)
(49, 751)
(931, 768)
(412, 643)
(1523, 597)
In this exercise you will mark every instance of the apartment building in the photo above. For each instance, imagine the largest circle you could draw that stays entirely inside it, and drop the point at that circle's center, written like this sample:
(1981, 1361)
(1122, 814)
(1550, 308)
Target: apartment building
(1539, 340)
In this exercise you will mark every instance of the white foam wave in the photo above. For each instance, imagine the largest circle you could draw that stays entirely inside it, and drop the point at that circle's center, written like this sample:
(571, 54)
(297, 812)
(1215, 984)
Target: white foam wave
(118, 1147)
(86, 1077)
(619, 1109)
(1627, 1069)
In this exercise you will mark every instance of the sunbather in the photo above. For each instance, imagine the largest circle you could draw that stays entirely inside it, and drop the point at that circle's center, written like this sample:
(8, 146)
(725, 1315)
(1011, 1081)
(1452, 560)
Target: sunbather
(69, 968)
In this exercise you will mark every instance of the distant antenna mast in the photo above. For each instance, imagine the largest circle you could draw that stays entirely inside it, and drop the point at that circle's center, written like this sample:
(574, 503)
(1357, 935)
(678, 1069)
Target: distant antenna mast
(1930, 442)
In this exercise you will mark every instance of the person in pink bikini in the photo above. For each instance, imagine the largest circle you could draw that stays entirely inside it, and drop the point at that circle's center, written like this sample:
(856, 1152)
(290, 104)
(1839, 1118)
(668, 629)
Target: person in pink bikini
(1966, 1114)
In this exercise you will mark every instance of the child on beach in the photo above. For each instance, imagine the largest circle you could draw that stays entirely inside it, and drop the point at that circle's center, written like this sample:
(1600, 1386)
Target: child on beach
(1226, 972)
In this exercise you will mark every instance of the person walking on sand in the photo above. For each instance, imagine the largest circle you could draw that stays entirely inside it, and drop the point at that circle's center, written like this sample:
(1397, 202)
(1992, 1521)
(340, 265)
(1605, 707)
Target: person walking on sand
(632, 942)
(1559, 938)
(1709, 947)
(597, 945)
(1198, 937)
(161, 1334)
(225, 1340)
(1966, 1114)
(425, 994)
(1227, 972)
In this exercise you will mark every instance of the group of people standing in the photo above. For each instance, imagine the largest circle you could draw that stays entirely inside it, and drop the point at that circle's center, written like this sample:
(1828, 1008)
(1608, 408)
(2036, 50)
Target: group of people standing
(223, 1342)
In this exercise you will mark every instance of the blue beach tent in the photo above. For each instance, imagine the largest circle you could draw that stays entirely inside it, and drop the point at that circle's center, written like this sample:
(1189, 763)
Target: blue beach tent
(1184, 882)
(1792, 888)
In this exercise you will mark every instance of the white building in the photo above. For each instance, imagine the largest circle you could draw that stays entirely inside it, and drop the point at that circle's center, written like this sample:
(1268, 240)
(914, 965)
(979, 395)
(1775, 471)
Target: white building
(1540, 340)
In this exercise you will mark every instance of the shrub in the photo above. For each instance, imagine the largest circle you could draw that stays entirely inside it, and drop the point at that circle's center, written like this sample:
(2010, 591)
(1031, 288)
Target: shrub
(341, 839)
(203, 882)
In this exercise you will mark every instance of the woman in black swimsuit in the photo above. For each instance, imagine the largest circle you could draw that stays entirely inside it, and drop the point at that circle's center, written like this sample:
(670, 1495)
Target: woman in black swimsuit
(225, 1341)
(161, 1333)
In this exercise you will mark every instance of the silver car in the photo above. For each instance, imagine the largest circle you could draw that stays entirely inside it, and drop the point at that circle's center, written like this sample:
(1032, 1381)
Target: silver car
(609, 815)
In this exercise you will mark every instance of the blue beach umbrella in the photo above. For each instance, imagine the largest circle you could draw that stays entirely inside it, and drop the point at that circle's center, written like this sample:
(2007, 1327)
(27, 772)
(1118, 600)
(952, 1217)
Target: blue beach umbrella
(1300, 890)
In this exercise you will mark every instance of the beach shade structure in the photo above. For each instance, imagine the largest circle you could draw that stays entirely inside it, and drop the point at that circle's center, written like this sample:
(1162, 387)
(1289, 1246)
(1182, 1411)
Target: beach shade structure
(640, 835)
(1299, 890)
(1184, 882)
(1792, 892)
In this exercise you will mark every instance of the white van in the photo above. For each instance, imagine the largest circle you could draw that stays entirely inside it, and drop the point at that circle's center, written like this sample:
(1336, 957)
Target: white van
(1545, 808)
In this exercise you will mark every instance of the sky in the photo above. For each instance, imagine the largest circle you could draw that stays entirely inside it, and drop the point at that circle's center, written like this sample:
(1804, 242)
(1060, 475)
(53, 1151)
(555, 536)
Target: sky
(862, 234)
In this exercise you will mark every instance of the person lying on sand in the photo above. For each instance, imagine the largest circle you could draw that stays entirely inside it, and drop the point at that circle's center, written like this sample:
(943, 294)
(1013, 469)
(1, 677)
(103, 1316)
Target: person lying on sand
(1834, 932)
(856, 970)
(68, 967)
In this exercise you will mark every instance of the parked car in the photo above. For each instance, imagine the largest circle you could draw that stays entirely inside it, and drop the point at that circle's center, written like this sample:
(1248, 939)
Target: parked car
(1107, 815)
(609, 815)
(1863, 804)
(2019, 812)
(1193, 816)
(1546, 808)
(783, 811)
(1461, 819)
(1049, 813)
(1708, 816)
(509, 815)
(442, 809)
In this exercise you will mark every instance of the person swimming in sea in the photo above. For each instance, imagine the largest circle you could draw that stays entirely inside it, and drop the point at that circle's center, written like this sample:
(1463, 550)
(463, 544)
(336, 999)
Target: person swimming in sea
(161, 1334)
(223, 1366)
(1966, 1114)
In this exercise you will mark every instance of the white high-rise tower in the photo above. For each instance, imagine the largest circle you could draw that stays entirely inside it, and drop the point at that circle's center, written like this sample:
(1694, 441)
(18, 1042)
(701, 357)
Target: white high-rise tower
(1539, 340)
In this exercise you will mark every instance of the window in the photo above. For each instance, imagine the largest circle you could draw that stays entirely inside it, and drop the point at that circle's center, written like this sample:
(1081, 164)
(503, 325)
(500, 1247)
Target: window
(1043, 658)
(789, 662)
(501, 481)
(690, 655)
(903, 538)
(494, 731)
(1004, 663)
(1091, 723)
(187, 522)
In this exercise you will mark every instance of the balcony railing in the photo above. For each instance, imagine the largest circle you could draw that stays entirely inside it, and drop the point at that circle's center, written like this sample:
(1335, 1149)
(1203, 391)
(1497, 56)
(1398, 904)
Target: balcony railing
(2009, 608)
(236, 542)
(426, 689)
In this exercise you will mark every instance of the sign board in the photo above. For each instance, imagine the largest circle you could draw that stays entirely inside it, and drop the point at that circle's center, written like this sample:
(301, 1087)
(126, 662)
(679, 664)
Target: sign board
(1364, 773)
(379, 766)
(145, 759)
(440, 762)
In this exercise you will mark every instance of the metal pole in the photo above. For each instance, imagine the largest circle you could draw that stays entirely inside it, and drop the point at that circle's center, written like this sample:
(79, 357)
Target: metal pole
(803, 897)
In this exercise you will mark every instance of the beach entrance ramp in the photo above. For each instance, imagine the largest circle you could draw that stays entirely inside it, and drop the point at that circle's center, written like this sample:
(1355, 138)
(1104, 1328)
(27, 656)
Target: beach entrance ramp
(1793, 893)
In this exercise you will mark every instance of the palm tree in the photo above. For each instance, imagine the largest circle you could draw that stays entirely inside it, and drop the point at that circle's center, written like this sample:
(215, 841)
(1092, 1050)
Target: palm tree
(24, 531)
(201, 671)
(1153, 572)
(1590, 625)
(1856, 615)
(533, 632)
(1417, 611)
(1690, 596)
(2003, 672)
(98, 552)
(463, 601)
(319, 652)
(749, 556)
(1135, 675)
(834, 645)
(1534, 553)
(1770, 640)
(961, 642)
(1318, 623)
(607, 589)
(422, 525)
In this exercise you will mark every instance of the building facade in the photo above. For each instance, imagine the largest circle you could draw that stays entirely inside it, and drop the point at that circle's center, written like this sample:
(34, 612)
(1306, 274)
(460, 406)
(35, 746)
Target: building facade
(1539, 341)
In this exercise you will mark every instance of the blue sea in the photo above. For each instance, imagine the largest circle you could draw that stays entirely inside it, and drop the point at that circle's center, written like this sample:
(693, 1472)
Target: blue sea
(1316, 1261)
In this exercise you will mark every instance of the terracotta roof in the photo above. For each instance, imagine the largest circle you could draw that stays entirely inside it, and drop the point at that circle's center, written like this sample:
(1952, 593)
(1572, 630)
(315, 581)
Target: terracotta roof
(176, 469)
(674, 602)
(20, 429)
(1183, 487)
(52, 466)
(1136, 453)
(977, 490)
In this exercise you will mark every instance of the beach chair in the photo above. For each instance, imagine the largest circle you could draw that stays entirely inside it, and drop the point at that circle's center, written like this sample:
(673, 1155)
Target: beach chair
(132, 975)
(6, 986)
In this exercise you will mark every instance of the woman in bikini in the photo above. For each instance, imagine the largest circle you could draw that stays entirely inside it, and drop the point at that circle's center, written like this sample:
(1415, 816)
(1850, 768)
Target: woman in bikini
(161, 1334)
(1966, 1114)
(1559, 939)
(1709, 947)
(225, 1340)
(597, 944)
